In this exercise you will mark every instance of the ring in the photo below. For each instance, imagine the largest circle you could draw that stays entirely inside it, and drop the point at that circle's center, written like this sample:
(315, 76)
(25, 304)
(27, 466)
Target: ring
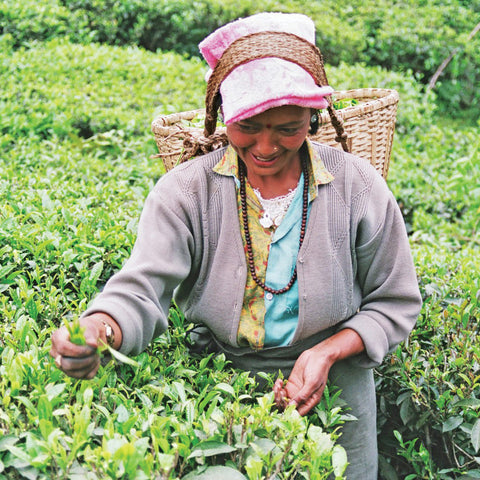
(58, 361)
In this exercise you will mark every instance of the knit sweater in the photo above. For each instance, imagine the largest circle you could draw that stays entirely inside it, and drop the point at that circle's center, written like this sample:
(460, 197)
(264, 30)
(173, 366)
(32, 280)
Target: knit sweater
(354, 268)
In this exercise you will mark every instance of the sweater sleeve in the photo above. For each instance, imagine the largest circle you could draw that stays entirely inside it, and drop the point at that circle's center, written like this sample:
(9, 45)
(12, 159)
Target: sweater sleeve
(138, 297)
(386, 275)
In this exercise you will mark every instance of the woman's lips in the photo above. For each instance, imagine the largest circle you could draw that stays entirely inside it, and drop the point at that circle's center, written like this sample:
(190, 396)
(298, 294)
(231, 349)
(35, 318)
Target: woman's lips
(263, 161)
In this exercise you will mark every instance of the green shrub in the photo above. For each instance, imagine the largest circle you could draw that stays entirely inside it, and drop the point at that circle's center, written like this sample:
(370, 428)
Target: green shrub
(436, 178)
(403, 36)
(75, 157)
(419, 37)
(33, 20)
(171, 416)
(429, 390)
(59, 89)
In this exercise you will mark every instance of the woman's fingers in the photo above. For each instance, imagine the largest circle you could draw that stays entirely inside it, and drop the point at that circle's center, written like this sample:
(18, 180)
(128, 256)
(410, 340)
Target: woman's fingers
(77, 361)
(85, 367)
(279, 393)
(305, 405)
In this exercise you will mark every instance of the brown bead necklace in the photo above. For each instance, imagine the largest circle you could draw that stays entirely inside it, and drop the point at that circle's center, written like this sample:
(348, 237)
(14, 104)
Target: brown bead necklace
(246, 230)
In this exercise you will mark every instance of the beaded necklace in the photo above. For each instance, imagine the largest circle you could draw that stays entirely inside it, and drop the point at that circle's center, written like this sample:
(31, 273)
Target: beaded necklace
(246, 230)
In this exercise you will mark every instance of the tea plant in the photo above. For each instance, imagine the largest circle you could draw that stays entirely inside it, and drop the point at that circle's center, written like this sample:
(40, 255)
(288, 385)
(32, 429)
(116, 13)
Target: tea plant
(76, 162)
(170, 415)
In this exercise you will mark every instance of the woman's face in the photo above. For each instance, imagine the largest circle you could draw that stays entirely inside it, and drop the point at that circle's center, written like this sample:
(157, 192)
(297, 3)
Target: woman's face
(268, 143)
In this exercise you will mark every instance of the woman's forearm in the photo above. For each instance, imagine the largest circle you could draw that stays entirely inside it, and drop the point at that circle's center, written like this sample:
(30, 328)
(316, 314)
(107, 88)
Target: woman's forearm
(343, 344)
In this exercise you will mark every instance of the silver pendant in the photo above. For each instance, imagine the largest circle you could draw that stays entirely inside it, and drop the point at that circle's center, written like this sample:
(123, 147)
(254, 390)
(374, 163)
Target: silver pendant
(266, 221)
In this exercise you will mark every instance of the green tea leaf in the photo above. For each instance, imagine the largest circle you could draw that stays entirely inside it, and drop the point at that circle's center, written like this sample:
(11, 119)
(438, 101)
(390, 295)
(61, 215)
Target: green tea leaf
(218, 472)
(120, 356)
(210, 448)
(339, 460)
(77, 332)
(451, 424)
(225, 388)
(475, 436)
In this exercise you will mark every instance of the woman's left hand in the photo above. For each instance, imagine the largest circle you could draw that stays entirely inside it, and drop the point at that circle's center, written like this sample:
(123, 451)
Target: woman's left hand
(304, 388)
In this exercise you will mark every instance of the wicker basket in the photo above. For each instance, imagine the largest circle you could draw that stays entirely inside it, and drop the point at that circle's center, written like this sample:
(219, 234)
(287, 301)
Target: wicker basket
(370, 126)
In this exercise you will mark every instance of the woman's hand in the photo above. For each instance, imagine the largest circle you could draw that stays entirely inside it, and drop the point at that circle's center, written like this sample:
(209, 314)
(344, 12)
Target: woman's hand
(81, 361)
(304, 388)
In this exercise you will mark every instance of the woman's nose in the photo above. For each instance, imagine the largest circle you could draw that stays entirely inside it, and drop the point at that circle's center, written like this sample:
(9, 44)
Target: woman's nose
(266, 144)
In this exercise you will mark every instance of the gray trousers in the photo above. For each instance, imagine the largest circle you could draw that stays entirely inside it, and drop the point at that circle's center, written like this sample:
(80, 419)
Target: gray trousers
(359, 437)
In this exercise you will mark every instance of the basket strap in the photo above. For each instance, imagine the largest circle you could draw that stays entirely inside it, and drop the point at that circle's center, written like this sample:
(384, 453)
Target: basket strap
(286, 46)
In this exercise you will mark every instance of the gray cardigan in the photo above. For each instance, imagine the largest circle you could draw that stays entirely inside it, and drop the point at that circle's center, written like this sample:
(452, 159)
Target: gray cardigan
(354, 268)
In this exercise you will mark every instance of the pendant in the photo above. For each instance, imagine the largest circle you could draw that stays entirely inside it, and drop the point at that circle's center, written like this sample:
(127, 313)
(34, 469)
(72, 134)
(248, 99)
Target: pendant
(266, 221)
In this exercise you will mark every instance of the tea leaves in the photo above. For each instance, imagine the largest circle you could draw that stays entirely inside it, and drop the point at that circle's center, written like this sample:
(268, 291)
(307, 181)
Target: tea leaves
(76, 165)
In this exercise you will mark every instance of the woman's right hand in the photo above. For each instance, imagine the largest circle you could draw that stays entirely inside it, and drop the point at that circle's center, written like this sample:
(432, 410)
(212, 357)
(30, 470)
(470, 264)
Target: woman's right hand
(80, 361)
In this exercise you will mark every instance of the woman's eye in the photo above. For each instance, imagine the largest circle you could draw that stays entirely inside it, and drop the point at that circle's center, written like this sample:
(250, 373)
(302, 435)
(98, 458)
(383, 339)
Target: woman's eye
(289, 131)
(248, 128)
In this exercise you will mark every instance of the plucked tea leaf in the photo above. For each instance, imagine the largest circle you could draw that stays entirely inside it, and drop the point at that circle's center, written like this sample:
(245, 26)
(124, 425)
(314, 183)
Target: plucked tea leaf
(76, 331)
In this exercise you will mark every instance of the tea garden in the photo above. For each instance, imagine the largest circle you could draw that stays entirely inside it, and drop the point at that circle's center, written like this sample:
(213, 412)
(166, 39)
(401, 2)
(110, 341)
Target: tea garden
(81, 82)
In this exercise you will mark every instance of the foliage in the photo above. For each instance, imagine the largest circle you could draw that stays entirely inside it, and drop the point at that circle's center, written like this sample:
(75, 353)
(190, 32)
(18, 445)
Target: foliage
(378, 33)
(75, 157)
(93, 79)
(171, 415)
(429, 389)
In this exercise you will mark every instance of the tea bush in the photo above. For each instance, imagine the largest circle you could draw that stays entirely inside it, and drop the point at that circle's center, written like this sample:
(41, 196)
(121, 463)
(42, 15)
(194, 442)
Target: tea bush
(404, 35)
(93, 79)
(171, 415)
(76, 162)
(429, 390)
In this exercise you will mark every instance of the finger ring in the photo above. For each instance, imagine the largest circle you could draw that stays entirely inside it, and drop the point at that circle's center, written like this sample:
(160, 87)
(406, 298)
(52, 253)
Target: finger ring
(58, 361)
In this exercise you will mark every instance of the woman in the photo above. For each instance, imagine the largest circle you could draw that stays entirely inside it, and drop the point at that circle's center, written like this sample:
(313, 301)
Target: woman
(292, 254)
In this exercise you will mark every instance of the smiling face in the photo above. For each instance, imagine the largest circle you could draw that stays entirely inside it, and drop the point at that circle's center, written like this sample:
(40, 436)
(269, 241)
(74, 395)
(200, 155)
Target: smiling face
(269, 143)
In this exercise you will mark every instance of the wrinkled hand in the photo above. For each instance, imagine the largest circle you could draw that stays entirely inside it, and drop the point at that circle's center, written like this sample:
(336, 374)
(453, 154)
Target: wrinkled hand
(79, 361)
(304, 388)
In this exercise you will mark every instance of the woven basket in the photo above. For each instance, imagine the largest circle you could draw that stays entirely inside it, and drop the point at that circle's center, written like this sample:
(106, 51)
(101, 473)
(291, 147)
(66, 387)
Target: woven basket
(370, 126)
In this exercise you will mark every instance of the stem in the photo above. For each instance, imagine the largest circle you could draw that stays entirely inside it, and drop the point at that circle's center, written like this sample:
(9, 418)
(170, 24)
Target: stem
(280, 463)
(444, 64)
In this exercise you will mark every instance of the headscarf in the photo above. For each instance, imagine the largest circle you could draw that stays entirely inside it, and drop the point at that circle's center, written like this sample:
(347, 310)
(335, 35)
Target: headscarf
(260, 62)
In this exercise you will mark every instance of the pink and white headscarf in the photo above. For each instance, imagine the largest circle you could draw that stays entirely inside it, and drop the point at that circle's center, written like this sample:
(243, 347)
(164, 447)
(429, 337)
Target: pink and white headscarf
(264, 83)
